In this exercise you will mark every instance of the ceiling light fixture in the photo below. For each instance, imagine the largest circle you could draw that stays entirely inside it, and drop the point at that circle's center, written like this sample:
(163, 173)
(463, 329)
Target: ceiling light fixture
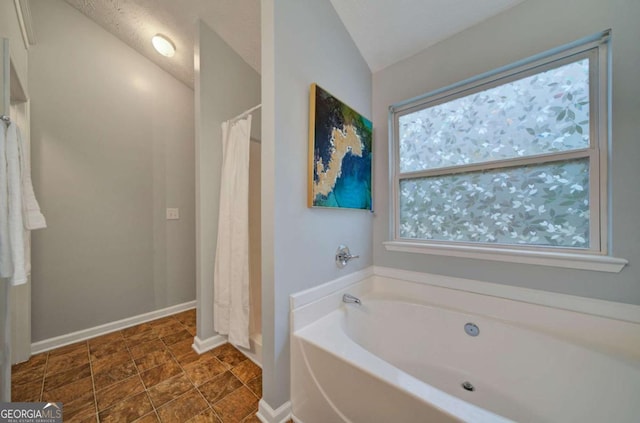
(163, 45)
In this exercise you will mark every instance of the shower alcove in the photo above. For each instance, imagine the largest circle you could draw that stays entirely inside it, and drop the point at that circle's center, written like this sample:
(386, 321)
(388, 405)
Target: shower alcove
(225, 87)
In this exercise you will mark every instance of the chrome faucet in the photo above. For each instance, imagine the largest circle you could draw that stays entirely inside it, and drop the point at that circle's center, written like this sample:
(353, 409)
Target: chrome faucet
(343, 255)
(348, 298)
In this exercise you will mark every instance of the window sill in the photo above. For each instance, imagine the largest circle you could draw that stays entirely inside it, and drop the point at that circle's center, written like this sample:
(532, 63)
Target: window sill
(542, 258)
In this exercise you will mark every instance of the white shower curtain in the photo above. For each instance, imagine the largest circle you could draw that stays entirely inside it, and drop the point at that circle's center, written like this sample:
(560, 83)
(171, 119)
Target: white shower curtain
(231, 272)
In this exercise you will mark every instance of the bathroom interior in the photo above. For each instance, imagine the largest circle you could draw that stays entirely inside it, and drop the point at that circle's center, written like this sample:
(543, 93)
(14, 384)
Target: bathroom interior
(122, 138)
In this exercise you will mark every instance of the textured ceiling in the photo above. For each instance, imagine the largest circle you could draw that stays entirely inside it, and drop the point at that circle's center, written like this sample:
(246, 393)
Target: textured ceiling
(385, 31)
(136, 21)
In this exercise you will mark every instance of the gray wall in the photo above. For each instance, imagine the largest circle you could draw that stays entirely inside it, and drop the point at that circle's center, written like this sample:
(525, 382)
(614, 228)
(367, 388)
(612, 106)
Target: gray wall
(225, 86)
(529, 28)
(112, 147)
(302, 42)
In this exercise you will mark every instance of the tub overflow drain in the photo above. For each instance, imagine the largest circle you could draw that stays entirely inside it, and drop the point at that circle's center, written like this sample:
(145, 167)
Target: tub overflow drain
(468, 386)
(471, 329)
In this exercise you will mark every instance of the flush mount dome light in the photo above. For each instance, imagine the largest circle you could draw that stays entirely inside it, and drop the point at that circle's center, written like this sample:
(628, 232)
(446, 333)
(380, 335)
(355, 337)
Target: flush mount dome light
(163, 45)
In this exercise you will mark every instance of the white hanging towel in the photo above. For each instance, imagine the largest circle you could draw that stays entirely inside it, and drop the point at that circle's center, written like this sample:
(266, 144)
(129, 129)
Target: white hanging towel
(6, 264)
(231, 271)
(16, 224)
(19, 209)
(32, 216)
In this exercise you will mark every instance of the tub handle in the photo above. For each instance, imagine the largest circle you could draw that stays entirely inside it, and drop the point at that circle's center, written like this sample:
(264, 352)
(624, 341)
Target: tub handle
(343, 256)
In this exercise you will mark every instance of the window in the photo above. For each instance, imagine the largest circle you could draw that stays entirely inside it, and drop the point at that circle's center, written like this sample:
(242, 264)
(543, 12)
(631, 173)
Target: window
(512, 161)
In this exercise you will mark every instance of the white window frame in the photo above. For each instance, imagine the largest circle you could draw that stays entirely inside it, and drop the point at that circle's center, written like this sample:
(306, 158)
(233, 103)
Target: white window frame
(596, 257)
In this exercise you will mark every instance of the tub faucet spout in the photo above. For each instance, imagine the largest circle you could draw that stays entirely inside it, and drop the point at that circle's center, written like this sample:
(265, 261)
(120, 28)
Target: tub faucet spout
(348, 298)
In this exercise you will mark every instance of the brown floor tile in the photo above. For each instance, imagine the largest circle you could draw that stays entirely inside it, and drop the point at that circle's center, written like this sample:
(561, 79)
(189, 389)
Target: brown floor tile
(127, 410)
(256, 386)
(204, 370)
(181, 348)
(229, 354)
(183, 408)
(126, 388)
(113, 374)
(68, 348)
(189, 322)
(163, 321)
(169, 389)
(246, 371)
(148, 418)
(107, 349)
(145, 348)
(207, 416)
(34, 362)
(252, 418)
(54, 381)
(103, 339)
(26, 392)
(27, 375)
(236, 406)
(139, 338)
(192, 356)
(87, 414)
(74, 358)
(152, 360)
(168, 328)
(162, 372)
(176, 337)
(186, 316)
(146, 374)
(75, 395)
(136, 330)
(101, 364)
(219, 387)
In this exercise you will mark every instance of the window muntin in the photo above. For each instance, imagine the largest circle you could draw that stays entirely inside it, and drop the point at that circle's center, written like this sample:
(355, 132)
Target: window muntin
(446, 174)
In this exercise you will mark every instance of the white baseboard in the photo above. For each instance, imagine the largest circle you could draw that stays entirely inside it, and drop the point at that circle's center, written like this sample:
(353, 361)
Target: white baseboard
(203, 345)
(266, 414)
(81, 335)
(255, 353)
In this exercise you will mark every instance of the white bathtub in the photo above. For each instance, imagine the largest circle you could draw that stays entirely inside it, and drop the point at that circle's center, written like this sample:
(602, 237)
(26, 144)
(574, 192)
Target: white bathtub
(398, 358)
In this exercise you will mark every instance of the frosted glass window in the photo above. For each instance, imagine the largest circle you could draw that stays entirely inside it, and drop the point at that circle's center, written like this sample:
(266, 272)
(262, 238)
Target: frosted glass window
(516, 159)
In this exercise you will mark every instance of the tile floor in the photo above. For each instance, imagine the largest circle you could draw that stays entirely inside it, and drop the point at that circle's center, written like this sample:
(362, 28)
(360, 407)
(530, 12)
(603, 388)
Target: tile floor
(146, 373)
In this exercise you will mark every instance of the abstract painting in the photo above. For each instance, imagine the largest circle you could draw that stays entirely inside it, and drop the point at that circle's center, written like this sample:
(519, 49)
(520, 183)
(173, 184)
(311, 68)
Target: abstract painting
(340, 153)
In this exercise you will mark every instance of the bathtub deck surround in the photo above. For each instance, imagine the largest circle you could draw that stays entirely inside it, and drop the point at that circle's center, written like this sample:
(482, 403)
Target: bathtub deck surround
(147, 372)
(476, 357)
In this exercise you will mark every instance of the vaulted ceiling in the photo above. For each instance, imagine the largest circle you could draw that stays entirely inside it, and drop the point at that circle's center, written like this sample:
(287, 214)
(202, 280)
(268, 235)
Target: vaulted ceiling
(385, 31)
(136, 21)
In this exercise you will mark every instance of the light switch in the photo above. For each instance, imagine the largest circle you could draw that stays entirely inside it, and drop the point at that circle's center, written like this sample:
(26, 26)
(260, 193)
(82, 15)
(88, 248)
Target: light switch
(173, 213)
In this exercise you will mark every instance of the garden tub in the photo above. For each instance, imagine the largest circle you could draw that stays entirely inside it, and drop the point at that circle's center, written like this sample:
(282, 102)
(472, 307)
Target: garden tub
(400, 359)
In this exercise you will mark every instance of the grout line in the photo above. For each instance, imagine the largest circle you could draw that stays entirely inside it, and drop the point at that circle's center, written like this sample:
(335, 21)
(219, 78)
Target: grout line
(46, 363)
(93, 382)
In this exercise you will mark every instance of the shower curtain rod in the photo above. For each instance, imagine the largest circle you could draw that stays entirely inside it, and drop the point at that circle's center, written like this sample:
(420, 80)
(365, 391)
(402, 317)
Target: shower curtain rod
(246, 112)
